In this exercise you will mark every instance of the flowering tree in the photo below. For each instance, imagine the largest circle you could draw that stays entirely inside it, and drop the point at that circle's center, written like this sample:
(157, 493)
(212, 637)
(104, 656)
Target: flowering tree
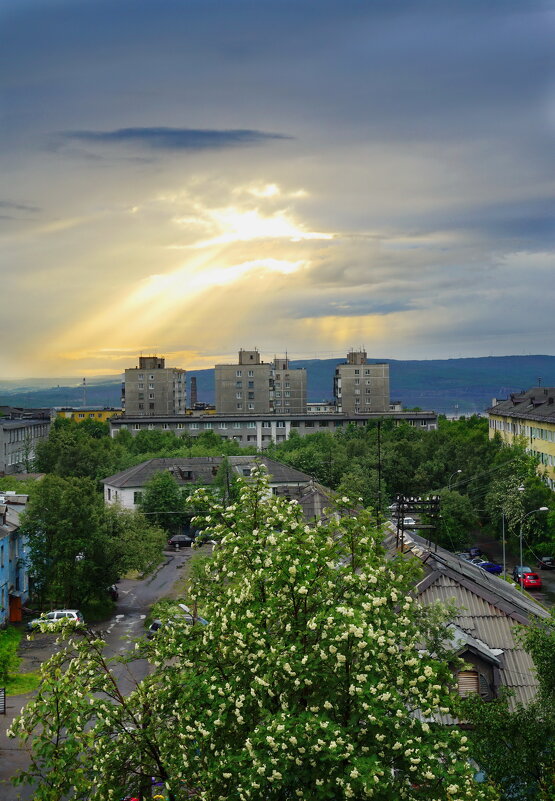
(318, 676)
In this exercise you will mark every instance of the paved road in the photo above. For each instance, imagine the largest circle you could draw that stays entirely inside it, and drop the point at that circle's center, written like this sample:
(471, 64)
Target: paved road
(135, 599)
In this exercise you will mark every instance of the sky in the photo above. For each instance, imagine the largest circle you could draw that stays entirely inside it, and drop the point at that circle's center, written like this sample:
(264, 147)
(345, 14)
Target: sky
(189, 177)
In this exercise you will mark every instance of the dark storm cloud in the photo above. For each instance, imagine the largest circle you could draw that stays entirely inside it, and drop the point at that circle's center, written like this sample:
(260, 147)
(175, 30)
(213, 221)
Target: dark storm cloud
(175, 138)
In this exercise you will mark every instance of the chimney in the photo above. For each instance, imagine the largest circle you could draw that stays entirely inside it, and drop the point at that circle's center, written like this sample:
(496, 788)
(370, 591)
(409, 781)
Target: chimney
(193, 391)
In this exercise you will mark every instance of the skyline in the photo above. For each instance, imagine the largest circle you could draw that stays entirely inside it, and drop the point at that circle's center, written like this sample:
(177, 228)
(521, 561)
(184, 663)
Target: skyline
(191, 178)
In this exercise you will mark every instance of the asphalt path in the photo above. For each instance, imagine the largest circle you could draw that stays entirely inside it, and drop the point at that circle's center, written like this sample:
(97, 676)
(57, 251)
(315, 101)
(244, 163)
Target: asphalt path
(120, 632)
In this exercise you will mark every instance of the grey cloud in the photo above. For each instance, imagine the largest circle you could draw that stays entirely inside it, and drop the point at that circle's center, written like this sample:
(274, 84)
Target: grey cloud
(8, 205)
(172, 139)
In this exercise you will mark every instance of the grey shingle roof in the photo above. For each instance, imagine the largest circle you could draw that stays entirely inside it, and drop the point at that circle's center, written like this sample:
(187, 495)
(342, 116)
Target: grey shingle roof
(489, 609)
(203, 469)
(537, 403)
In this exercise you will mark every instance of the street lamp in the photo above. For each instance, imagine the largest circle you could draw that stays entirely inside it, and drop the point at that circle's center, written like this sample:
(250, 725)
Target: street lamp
(522, 519)
(451, 476)
(519, 489)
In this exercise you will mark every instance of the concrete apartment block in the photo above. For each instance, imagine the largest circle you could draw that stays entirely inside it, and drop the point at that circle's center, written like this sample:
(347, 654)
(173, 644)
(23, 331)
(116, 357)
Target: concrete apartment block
(154, 389)
(255, 387)
(361, 387)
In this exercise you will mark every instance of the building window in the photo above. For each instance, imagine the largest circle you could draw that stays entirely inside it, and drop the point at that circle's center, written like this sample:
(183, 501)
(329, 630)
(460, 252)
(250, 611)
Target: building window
(251, 395)
(251, 373)
(240, 406)
(266, 424)
(193, 425)
(165, 426)
(251, 425)
(81, 415)
(151, 406)
(236, 425)
(141, 386)
(238, 385)
(141, 376)
(208, 425)
(137, 497)
(357, 372)
(280, 424)
(222, 425)
(251, 407)
(309, 424)
(238, 373)
(151, 395)
(238, 395)
(180, 425)
(141, 406)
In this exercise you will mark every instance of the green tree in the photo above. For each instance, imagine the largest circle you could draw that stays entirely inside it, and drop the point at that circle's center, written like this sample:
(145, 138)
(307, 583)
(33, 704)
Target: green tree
(136, 543)
(71, 558)
(457, 519)
(315, 678)
(162, 502)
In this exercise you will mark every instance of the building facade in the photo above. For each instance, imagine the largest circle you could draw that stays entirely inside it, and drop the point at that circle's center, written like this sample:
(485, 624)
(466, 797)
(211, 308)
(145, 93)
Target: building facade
(79, 414)
(18, 441)
(14, 579)
(258, 431)
(255, 387)
(528, 417)
(154, 389)
(360, 386)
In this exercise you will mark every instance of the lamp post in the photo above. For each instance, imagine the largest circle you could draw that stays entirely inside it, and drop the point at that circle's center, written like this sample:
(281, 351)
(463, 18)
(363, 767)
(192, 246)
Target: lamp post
(522, 519)
(451, 477)
(519, 489)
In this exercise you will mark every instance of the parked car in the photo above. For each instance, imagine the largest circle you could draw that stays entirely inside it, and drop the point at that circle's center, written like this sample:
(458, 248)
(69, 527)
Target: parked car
(518, 571)
(464, 555)
(474, 551)
(530, 581)
(490, 567)
(180, 541)
(156, 625)
(54, 616)
(546, 563)
(409, 521)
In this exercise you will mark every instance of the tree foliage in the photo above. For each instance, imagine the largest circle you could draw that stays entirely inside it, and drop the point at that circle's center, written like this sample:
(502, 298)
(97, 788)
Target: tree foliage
(317, 677)
(78, 547)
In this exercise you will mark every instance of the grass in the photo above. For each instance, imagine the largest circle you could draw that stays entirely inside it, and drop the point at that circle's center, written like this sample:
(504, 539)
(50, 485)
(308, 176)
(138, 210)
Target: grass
(16, 683)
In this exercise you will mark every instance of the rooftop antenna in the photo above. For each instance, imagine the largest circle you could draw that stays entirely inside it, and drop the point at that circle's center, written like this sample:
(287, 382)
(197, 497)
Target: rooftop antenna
(84, 392)
(539, 381)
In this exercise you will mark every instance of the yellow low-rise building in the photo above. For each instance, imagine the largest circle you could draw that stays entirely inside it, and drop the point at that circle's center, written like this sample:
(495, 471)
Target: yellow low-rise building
(529, 417)
(88, 413)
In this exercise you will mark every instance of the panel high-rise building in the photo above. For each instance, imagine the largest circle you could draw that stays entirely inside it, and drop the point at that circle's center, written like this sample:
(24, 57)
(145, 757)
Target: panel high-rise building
(154, 389)
(255, 387)
(360, 386)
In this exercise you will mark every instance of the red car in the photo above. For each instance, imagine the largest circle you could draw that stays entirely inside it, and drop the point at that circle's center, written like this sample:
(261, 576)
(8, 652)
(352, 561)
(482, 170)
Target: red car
(531, 581)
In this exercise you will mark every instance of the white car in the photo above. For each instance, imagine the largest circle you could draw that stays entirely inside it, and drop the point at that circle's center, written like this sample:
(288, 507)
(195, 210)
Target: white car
(409, 521)
(54, 616)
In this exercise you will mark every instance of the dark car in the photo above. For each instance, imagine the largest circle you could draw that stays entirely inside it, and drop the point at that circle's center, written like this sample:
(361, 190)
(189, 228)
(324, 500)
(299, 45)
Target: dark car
(490, 567)
(180, 541)
(474, 551)
(519, 570)
(546, 563)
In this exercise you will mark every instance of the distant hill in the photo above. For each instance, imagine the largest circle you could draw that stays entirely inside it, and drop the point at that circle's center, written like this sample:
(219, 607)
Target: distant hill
(448, 386)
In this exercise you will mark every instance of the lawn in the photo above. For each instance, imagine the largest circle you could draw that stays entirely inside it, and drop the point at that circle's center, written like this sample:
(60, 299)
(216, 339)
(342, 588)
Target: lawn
(16, 683)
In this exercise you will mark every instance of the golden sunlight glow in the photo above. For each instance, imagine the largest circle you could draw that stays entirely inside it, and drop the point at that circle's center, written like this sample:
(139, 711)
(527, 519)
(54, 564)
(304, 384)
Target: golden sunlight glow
(236, 225)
